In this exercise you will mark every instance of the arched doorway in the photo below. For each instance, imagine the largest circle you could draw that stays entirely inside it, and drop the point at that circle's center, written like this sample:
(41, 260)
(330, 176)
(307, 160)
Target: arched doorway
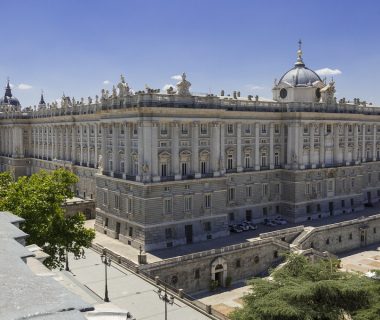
(219, 271)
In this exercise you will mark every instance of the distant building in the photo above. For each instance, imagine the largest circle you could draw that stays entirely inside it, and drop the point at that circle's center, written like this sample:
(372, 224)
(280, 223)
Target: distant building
(174, 168)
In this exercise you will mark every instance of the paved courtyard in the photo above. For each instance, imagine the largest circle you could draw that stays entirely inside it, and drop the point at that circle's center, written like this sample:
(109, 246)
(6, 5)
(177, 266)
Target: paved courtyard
(126, 290)
(362, 261)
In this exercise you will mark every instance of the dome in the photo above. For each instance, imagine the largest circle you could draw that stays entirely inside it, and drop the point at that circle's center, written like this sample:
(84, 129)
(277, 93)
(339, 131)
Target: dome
(299, 75)
(9, 101)
(8, 98)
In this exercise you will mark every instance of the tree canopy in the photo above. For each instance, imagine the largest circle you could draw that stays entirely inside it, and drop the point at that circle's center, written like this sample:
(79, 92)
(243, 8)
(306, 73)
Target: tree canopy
(302, 290)
(39, 199)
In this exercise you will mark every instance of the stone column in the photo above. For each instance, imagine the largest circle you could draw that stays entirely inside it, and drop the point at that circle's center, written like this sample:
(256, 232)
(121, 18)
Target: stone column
(38, 143)
(104, 128)
(336, 144)
(222, 161)
(175, 151)
(140, 132)
(299, 128)
(127, 149)
(195, 149)
(346, 160)
(67, 155)
(271, 145)
(73, 143)
(363, 144)
(96, 160)
(88, 145)
(311, 142)
(115, 148)
(62, 143)
(34, 141)
(282, 146)
(155, 174)
(356, 143)
(56, 142)
(322, 145)
(257, 146)
(81, 143)
(374, 143)
(215, 148)
(238, 147)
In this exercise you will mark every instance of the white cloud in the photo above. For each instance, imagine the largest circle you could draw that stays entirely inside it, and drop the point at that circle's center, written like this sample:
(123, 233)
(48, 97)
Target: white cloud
(11, 85)
(106, 82)
(253, 87)
(167, 86)
(24, 86)
(177, 77)
(328, 72)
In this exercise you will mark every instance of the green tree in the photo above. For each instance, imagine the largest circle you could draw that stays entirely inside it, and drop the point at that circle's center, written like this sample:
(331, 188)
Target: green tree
(301, 290)
(38, 199)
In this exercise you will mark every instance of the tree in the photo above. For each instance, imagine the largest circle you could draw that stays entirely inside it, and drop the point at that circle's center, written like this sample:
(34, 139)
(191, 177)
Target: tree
(38, 199)
(301, 290)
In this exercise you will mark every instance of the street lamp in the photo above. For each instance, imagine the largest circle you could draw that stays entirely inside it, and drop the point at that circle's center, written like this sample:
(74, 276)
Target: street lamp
(107, 263)
(164, 297)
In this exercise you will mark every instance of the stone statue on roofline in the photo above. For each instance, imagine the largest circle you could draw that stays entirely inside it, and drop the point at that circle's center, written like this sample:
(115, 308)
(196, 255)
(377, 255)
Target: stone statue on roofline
(123, 87)
(183, 86)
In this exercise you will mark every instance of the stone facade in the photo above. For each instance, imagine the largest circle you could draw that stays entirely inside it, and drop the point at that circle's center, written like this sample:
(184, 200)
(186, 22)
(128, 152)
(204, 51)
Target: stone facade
(174, 168)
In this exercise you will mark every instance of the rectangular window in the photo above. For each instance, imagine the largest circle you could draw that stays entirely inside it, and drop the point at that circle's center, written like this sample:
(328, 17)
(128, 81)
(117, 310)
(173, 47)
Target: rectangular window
(197, 274)
(231, 194)
(203, 167)
(307, 188)
(276, 159)
(330, 185)
(116, 201)
(134, 129)
(277, 189)
(188, 203)
(247, 160)
(343, 203)
(306, 129)
(105, 198)
(248, 215)
(276, 128)
(247, 129)
(168, 205)
(164, 129)
(328, 128)
(308, 208)
(248, 191)
(231, 216)
(129, 205)
(229, 162)
(164, 170)
(265, 190)
(230, 128)
(207, 201)
(184, 128)
(122, 166)
(204, 128)
(263, 128)
(130, 232)
(318, 207)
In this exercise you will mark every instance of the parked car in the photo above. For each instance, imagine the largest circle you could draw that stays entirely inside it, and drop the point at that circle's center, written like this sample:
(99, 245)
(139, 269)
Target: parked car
(250, 225)
(270, 223)
(235, 228)
(280, 220)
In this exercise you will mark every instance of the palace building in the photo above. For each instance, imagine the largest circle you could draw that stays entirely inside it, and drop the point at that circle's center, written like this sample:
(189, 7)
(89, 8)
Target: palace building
(170, 168)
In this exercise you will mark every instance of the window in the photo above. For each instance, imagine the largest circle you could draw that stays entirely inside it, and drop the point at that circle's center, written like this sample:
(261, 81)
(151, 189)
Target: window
(134, 129)
(247, 128)
(327, 241)
(229, 162)
(231, 194)
(374, 230)
(204, 128)
(248, 215)
(168, 205)
(352, 182)
(276, 128)
(164, 129)
(166, 188)
(130, 232)
(184, 128)
(188, 203)
(203, 167)
(350, 236)
(122, 166)
(168, 233)
(352, 202)
(247, 160)
(238, 263)
(106, 223)
(129, 205)
(248, 191)
(308, 208)
(330, 185)
(263, 159)
(265, 190)
(164, 169)
(343, 203)
(306, 129)
(197, 274)
(121, 130)
(109, 131)
(307, 188)
(231, 216)
(340, 238)
(319, 187)
(318, 207)
(328, 128)
(277, 189)
(184, 168)
(207, 201)
(207, 226)
(276, 159)
(116, 201)
(105, 198)
(230, 128)
(187, 187)
(264, 128)
(110, 165)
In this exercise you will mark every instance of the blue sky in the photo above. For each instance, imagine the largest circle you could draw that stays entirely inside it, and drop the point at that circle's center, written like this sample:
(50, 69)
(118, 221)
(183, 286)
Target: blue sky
(74, 46)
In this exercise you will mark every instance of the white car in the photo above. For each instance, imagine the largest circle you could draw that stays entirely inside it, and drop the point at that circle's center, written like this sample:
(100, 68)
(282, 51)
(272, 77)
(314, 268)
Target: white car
(280, 220)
